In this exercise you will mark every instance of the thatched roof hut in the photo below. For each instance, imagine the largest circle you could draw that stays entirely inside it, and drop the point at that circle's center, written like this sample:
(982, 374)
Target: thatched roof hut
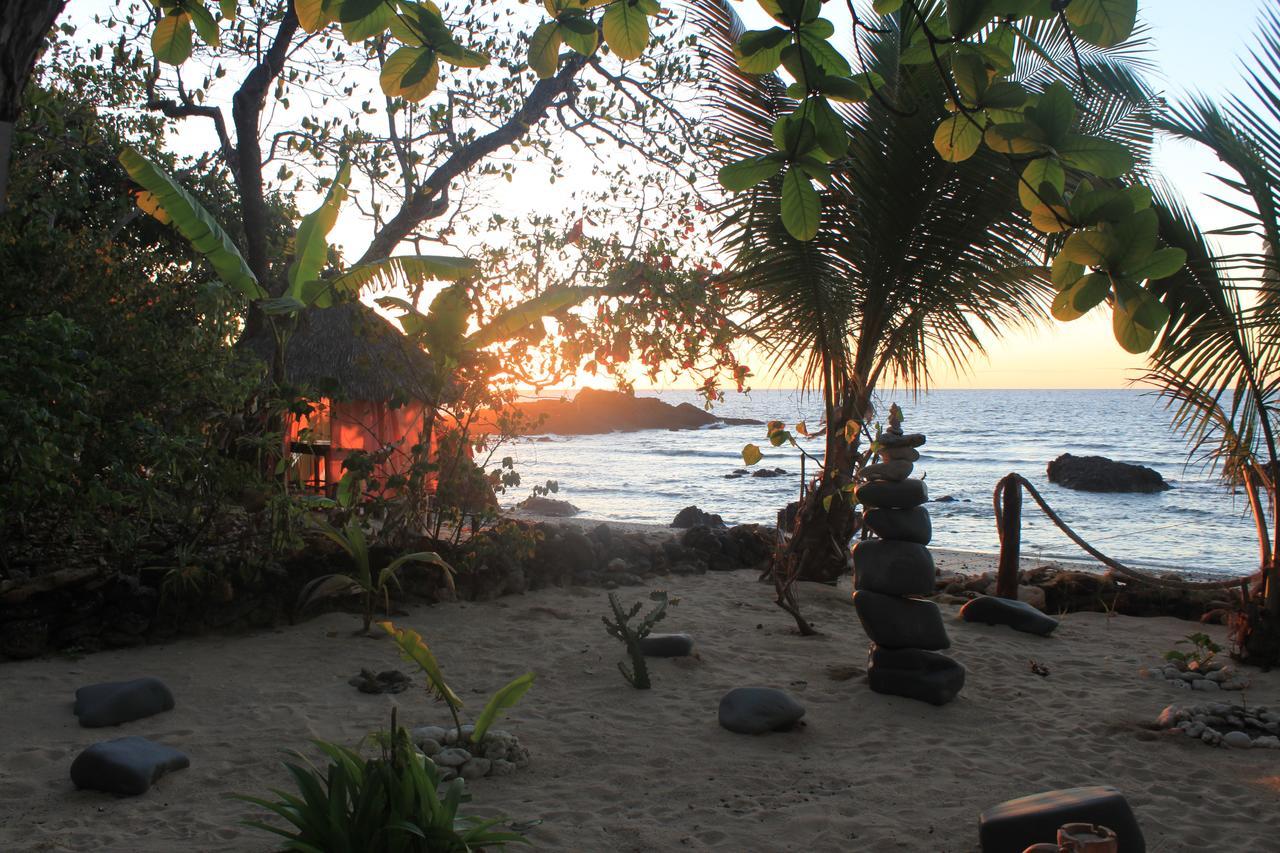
(349, 352)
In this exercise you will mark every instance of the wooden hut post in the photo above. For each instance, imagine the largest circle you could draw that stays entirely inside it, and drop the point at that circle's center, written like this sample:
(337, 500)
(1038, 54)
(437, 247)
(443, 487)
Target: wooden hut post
(1010, 537)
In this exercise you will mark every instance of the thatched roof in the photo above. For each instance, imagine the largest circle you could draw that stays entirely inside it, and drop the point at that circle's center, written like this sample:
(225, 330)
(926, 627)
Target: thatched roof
(350, 352)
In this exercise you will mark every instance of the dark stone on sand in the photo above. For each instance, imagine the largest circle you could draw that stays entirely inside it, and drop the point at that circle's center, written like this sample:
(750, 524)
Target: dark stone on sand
(1015, 825)
(903, 495)
(389, 681)
(549, 507)
(691, 516)
(1100, 474)
(1018, 615)
(753, 710)
(900, 623)
(909, 525)
(116, 702)
(666, 645)
(891, 441)
(915, 674)
(127, 765)
(892, 567)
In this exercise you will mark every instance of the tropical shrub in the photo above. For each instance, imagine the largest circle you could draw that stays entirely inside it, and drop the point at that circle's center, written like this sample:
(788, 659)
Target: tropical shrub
(620, 627)
(415, 650)
(388, 804)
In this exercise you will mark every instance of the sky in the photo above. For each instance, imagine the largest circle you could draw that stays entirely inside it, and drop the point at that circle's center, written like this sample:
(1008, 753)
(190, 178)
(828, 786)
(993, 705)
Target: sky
(1194, 51)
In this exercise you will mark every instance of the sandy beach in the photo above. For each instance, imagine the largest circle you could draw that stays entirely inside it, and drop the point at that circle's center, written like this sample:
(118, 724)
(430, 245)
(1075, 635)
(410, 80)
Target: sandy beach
(621, 769)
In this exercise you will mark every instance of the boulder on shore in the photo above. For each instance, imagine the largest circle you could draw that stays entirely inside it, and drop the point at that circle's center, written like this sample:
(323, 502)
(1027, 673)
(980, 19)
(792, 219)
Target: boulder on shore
(593, 411)
(1100, 474)
(692, 516)
(549, 507)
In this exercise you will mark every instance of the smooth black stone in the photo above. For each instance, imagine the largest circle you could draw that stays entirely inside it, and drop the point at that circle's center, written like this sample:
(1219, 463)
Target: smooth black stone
(753, 710)
(909, 525)
(1018, 615)
(116, 702)
(1013, 826)
(891, 440)
(127, 765)
(915, 674)
(900, 623)
(666, 645)
(892, 567)
(908, 453)
(901, 495)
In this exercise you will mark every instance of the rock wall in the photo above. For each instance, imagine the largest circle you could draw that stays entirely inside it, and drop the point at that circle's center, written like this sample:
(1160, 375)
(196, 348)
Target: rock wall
(92, 610)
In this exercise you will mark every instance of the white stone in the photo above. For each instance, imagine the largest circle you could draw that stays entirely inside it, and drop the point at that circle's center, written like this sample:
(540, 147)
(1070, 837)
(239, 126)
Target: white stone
(1237, 740)
(422, 733)
(452, 757)
(1267, 742)
(476, 768)
(501, 767)
(429, 746)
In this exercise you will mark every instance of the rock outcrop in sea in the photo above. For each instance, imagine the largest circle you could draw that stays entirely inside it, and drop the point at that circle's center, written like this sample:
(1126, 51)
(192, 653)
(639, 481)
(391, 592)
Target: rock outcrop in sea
(1100, 474)
(592, 411)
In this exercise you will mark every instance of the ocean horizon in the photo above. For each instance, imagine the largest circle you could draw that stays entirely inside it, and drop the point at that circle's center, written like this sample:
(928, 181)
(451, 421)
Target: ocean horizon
(1199, 527)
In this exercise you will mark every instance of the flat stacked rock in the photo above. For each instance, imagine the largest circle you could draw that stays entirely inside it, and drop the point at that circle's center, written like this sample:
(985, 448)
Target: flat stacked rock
(892, 573)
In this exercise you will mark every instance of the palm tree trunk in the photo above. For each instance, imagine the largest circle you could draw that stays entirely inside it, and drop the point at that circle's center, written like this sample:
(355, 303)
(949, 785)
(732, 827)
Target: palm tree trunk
(23, 27)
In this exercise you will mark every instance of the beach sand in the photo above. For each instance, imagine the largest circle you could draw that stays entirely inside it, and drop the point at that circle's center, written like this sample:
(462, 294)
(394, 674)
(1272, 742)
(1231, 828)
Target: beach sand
(618, 769)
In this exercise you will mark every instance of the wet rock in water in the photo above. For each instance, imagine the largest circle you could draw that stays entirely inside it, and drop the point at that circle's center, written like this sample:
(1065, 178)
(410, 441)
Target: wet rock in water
(892, 441)
(1100, 474)
(900, 623)
(1017, 824)
(737, 473)
(769, 472)
(691, 516)
(116, 702)
(893, 567)
(387, 681)
(754, 710)
(126, 766)
(1018, 615)
(550, 507)
(902, 495)
(909, 525)
(915, 674)
(666, 645)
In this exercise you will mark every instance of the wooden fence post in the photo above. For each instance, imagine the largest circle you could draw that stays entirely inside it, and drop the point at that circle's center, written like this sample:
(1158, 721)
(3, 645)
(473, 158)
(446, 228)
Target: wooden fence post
(1010, 537)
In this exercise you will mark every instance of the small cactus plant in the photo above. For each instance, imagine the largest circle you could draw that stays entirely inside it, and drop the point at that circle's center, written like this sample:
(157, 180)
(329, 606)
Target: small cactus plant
(638, 675)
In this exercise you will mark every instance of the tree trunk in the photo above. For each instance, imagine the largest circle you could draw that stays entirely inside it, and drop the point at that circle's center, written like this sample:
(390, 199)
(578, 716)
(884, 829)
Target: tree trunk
(23, 26)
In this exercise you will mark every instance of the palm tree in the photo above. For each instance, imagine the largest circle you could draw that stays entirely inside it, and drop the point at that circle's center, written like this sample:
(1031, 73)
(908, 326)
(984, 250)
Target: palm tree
(915, 257)
(1218, 361)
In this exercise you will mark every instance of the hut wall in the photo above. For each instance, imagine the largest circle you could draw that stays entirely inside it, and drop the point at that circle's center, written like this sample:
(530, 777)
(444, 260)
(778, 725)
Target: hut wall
(365, 425)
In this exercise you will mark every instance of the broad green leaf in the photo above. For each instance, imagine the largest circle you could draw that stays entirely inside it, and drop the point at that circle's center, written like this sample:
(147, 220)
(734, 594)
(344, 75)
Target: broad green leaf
(415, 650)
(1104, 23)
(355, 10)
(751, 454)
(410, 73)
(971, 77)
(829, 60)
(958, 137)
(1091, 248)
(760, 51)
(967, 17)
(376, 22)
(1099, 157)
(626, 29)
(463, 57)
(544, 49)
(849, 90)
(801, 64)
(1065, 273)
(171, 41)
(745, 174)
(1003, 95)
(1043, 170)
(206, 26)
(795, 134)
(580, 33)
(1138, 236)
(227, 8)
(1050, 218)
(311, 246)
(801, 207)
(1161, 263)
(1081, 297)
(832, 135)
(886, 7)
(194, 223)
(1090, 206)
(1016, 138)
(1054, 112)
(420, 24)
(511, 322)
(505, 698)
(279, 305)
(315, 14)
(1137, 318)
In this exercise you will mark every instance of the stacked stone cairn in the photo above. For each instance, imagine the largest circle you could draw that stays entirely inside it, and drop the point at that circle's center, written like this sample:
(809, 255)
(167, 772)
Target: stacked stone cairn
(893, 573)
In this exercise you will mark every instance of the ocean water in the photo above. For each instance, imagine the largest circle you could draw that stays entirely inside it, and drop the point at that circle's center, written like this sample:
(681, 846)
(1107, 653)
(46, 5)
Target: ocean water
(974, 438)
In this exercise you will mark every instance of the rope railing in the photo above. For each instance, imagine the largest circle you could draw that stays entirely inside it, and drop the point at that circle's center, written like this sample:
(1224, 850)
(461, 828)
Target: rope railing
(1008, 491)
